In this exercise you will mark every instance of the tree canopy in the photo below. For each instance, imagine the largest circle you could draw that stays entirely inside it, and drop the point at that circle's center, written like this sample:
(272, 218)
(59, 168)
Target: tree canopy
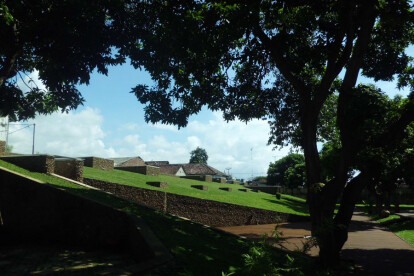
(294, 63)
(65, 41)
(281, 60)
(288, 171)
(198, 156)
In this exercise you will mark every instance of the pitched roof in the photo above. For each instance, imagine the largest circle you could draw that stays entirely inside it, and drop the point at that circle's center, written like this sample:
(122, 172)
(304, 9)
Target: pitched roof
(157, 163)
(121, 160)
(201, 169)
(169, 169)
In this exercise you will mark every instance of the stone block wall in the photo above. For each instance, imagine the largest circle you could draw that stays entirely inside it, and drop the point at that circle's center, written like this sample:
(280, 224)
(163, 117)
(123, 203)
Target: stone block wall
(69, 168)
(98, 163)
(206, 178)
(2, 147)
(295, 192)
(152, 198)
(133, 162)
(147, 170)
(203, 211)
(220, 180)
(34, 163)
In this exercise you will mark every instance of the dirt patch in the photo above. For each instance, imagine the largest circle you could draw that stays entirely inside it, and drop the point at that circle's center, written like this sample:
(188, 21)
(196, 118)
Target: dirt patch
(292, 235)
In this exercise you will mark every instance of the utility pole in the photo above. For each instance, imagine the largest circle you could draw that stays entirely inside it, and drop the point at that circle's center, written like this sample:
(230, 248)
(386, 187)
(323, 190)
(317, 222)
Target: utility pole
(34, 130)
(7, 131)
(251, 160)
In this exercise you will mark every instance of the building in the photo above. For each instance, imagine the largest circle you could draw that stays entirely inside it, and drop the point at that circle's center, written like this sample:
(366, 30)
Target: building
(172, 169)
(191, 170)
(157, 163)
(128, 161)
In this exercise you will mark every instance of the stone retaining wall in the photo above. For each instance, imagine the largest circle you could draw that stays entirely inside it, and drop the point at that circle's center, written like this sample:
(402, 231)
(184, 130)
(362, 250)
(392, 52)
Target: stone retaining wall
(98, 163)
(203, 211)
(269, 190)
(34, 163)
(2, 147)
(220, 180)
(206, 178)
(69, 168)
(147, 170)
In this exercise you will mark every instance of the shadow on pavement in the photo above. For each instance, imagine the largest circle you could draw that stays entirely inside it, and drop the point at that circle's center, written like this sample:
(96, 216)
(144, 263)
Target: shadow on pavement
(382, 261)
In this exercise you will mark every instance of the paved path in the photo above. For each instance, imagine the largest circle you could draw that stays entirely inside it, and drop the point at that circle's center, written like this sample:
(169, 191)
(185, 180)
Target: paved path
(374, 249)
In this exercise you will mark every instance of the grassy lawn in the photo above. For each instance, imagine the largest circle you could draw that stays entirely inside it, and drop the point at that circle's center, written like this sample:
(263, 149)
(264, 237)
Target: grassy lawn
(198, 250)
(288, 204)
(401, 227)
(402, 206)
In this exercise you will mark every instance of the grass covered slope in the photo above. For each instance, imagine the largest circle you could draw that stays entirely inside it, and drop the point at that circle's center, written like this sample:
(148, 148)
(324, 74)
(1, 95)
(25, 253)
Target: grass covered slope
(182, 186)
(198, 250)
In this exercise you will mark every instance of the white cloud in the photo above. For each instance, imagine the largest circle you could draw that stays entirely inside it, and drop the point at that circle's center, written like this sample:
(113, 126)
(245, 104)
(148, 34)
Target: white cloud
(69, 134)
(236, 145)
(228, 145)
(164, 127)
(31, 81)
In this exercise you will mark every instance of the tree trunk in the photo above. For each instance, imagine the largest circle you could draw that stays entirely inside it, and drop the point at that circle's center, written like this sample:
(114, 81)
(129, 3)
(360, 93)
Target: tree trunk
(349, 198)
(320, 199)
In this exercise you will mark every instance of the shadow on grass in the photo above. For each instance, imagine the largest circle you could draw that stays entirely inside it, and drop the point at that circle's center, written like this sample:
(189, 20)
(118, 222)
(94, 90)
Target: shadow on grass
(46, 260)
(297, 206)
(198, 250)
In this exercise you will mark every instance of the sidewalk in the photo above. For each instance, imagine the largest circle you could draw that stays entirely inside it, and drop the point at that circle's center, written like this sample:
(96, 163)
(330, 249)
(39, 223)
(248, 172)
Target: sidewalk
(377, 250)
(374, 250)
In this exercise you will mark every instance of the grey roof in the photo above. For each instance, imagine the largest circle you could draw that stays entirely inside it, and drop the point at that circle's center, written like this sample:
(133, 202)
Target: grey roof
(119, 160)
(157, 163)
(200, 169)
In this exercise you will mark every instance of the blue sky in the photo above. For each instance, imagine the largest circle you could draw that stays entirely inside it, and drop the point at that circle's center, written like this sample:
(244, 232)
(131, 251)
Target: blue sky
(111, 124)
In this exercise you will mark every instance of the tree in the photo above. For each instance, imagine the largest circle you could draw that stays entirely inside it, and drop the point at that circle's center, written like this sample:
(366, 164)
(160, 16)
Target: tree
(64, 41)
(9, 148)
(260, 179)
(198, 156)
(288, 171)
(280, 60)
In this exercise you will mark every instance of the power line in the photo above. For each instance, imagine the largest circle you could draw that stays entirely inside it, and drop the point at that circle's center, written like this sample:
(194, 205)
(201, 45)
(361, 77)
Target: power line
(20, 129)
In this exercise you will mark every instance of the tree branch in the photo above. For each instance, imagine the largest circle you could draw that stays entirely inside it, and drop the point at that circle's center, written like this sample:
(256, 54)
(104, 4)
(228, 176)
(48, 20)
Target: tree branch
(369, 14)
(282, 63)
(9, 64)
(337, 61)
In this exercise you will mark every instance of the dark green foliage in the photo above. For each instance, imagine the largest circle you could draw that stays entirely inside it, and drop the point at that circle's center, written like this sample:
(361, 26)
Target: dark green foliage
(278, 60)
(65, 41)
(282, 60)
(278, 195)
(288, 171)
(198, 156)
